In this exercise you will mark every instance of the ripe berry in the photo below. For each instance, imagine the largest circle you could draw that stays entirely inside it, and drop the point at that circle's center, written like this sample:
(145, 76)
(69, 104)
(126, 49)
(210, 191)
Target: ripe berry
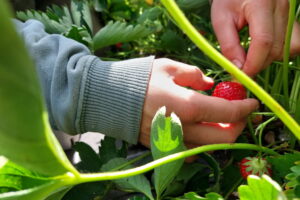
(230, 91)
(254, 165)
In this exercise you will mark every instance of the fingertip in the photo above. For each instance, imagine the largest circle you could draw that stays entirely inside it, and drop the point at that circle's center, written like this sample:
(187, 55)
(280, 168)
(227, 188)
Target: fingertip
(209, 82)
(254, 104)
(237, 63)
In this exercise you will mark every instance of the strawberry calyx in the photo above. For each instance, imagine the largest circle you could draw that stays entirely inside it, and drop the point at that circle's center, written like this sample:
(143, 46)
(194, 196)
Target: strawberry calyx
(256, 166)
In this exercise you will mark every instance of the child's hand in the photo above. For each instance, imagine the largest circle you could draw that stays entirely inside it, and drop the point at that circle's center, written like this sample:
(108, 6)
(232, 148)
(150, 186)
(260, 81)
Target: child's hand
(195, 110)
(267, 21)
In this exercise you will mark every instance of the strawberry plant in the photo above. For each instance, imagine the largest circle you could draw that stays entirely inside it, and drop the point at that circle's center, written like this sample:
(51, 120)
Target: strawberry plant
(254, 165)
(34, 166)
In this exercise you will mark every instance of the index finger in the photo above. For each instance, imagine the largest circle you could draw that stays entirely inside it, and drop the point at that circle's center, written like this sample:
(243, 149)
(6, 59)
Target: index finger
(202, 108)
(260, 19)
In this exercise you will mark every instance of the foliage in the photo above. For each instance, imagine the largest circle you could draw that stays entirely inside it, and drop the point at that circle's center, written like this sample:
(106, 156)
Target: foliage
(36, 167)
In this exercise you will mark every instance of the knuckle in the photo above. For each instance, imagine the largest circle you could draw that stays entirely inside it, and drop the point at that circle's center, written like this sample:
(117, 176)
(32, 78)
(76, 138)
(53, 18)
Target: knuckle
(276, 52)
(234, 115)
(264, 39)
(229, 49)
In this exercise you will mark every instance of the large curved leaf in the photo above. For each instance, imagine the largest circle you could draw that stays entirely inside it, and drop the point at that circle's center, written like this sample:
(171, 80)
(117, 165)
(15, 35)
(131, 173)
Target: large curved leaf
(25, 135)
(166, 139)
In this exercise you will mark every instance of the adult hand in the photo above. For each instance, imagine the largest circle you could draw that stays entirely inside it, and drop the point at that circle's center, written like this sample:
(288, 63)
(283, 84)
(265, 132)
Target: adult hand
(167, 87)
(267, 21)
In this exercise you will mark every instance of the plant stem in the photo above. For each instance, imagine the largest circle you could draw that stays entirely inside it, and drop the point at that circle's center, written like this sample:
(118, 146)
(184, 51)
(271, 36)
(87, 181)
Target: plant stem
(181, 155)
(200, 41)
(286, 54)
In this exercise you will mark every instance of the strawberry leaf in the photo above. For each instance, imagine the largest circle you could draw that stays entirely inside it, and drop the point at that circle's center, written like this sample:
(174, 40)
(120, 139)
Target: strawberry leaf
(166, 139)
(138, 183)
(52, 22)
(116, 32)
(260, 189)
(81, 14)
(281, 164)
(25, 134)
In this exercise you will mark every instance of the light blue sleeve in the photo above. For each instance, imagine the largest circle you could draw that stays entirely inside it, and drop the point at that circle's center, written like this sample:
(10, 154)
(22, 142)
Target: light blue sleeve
(84, 93)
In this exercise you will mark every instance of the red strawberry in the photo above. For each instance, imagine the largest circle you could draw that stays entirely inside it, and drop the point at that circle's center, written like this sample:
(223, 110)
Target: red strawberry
(119, 45)
(230, 91)
(254, 165)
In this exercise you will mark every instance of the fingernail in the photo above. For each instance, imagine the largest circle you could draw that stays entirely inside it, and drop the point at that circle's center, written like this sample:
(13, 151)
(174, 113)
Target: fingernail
(237, 63)
(208, 79)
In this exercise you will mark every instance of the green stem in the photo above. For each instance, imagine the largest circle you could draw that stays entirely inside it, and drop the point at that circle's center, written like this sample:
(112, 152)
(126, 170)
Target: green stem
(286, 54)
(200, 41)
(251, 129)
(181, 155)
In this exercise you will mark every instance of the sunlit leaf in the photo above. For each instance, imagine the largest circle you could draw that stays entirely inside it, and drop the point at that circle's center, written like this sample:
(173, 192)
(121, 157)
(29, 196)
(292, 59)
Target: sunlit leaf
(166, 139)
(25, 134)
(260, 189)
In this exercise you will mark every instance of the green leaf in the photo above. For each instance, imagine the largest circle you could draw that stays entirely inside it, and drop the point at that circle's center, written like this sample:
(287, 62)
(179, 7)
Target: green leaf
(79, 34)
(138, 183)
(137, 197)
(88, 191)
(25, 134)
(209, 196)
(150, 14)
(81, 14)
(214, 165)
(36, 193)
(59, 195)
(115, 32)
(281, 164)
(260, 189)
(18, 178)
(191, 5)
(166, 139)
(109, 150)
(90, 161)
(167, 42)
(51, 25)
(100, 5)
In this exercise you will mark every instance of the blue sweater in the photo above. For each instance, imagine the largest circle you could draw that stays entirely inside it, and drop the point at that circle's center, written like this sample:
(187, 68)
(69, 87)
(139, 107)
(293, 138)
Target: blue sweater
(84, 93)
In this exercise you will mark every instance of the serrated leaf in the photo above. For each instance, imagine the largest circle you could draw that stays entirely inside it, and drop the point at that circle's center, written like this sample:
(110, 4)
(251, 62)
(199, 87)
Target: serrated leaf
(109, 150)
(51, 26)
(90, 161)
(25, 134)
(151, 14)
(166, 139)
(116, 32)
(138, 183)
(81, 14)
(281, 164)
(261, 189)
(79, 34)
